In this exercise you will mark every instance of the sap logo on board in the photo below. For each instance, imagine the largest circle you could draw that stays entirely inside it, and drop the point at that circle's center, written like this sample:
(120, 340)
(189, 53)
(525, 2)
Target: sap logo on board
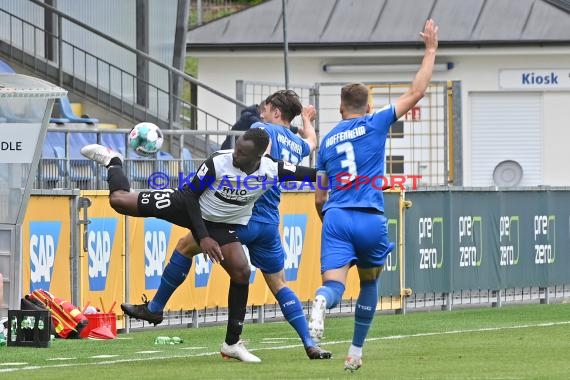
(294, 227)
(156, 238)
(252, 268)
(203, 268)
(44, 238)
(100, 240)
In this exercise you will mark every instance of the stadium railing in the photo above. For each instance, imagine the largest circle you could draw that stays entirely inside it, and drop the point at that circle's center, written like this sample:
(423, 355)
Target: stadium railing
(82, 70)
(63, 167)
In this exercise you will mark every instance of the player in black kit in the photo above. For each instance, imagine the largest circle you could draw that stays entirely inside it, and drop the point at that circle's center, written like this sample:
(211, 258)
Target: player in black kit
(220, 196)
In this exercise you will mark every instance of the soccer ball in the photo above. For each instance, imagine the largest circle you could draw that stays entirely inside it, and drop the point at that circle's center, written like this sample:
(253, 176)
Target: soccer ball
(145, 139)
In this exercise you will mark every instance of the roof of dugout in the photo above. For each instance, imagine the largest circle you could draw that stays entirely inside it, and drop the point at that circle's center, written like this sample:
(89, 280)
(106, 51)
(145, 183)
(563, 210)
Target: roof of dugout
(387, 24)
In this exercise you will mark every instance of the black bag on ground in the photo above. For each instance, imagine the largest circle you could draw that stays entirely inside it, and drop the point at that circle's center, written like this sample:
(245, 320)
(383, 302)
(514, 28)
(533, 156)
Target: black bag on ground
(26, 304)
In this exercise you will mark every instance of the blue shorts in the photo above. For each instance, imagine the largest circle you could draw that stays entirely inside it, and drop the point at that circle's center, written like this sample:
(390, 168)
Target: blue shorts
(264, 244)
(352, 236)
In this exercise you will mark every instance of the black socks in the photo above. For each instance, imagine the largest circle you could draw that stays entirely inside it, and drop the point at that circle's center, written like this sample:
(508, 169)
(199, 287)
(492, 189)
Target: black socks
(237, 303)
(116, 177)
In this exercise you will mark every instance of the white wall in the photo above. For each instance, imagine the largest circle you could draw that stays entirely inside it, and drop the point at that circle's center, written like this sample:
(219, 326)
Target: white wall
(556, 138)
(477, 69)
(480, 73)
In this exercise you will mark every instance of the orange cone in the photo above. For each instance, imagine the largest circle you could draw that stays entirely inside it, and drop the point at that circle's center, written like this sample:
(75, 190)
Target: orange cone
(101, 332)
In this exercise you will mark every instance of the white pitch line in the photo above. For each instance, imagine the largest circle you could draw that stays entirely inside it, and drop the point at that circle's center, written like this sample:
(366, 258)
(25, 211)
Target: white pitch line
(484, 329)
(419, 335)
(277, 338)
(107, 362)
(15, 363)
(61, 359)
(103, 356)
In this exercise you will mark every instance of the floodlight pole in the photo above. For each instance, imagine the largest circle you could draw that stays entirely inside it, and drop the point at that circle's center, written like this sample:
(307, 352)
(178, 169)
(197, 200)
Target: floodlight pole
(285, 42)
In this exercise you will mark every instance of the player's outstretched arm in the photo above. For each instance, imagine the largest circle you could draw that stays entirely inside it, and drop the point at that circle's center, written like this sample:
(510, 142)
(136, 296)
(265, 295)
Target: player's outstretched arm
(419, 85)
(289, 172)
(308, 131)
(208, 245)
(202, 180)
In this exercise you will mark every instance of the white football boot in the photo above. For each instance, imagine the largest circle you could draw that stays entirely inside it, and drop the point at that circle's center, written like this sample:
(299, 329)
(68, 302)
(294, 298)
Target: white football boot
(352, 363)
(239, 352)
(100, 154)
(317, 319)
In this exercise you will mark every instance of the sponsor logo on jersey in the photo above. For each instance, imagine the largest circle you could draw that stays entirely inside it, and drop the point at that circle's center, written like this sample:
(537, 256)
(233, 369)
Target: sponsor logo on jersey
(202, 171)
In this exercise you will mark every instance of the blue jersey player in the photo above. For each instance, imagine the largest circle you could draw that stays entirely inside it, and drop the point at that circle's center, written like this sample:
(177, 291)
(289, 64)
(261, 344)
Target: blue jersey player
(354, 228)
(261, 234)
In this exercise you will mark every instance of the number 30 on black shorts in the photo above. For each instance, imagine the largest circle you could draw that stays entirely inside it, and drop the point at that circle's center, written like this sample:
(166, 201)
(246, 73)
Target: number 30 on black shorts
(165, 204)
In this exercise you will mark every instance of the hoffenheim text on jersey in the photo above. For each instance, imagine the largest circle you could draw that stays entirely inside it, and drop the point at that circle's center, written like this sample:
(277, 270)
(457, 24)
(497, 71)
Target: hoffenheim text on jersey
(345, 135)
(295, 147)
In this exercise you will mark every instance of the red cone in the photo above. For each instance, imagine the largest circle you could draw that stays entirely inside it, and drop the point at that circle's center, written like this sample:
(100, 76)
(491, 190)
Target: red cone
(101, 332)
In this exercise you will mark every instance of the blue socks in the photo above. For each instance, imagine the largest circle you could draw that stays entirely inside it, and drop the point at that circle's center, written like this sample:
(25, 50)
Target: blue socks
(332, 291)
(293, 312)
(365, 310)
(173, 276)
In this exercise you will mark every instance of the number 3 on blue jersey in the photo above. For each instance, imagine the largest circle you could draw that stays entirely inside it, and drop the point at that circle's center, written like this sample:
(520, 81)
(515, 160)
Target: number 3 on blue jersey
(348, 163)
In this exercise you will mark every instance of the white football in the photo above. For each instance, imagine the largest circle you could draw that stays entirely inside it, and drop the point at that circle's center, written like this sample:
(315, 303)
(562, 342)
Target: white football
(146, 139)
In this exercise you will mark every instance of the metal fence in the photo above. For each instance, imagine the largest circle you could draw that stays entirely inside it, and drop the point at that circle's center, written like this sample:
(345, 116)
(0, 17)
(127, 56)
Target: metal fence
(416, 302)
(63, 167)
(156, 93)
(419, 144)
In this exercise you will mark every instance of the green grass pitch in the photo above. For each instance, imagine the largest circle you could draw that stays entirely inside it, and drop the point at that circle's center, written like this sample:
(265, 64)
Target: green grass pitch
(513, 342)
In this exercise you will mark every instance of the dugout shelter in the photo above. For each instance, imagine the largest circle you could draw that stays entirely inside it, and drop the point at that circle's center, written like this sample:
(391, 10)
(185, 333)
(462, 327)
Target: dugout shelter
(25, 108)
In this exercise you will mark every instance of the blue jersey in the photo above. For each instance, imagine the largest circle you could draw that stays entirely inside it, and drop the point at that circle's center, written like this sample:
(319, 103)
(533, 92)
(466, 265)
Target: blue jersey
(286, 146)
(352, 155)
